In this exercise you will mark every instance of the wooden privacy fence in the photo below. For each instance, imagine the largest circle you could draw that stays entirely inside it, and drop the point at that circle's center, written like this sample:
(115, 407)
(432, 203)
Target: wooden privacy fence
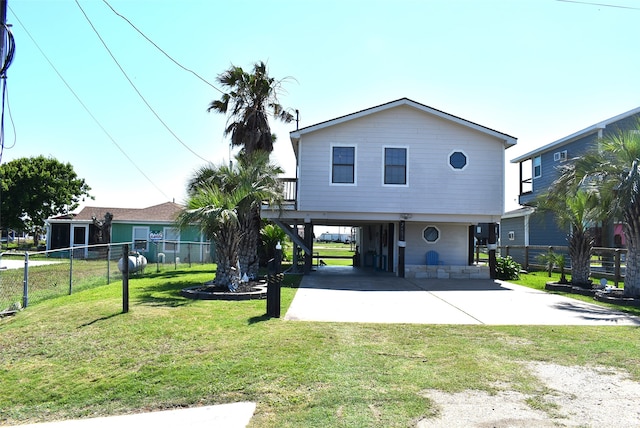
(609, 263)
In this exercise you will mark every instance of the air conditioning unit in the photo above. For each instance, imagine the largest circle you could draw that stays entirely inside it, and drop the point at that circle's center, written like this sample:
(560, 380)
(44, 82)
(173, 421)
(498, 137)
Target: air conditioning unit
(560, 156)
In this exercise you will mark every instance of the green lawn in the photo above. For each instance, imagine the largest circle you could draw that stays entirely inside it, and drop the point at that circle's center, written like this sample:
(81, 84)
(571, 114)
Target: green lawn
(78, 356)
(538, 279)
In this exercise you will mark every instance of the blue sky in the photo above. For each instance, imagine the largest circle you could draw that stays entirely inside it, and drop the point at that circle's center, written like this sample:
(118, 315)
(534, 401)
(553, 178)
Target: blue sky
(534, 69)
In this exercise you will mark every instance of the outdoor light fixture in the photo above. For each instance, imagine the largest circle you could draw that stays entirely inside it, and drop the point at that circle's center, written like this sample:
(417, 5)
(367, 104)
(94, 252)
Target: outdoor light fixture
(405, 216)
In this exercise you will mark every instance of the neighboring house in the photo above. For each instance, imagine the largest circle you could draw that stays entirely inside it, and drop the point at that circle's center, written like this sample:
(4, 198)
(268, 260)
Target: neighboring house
(538, 171)
(410, 178)
(150, 231)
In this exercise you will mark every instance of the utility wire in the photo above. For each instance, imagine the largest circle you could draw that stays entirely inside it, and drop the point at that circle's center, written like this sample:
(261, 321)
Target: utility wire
(600, 4)
(135, 88)
(8, 50)
(161, 50)
(87, 108)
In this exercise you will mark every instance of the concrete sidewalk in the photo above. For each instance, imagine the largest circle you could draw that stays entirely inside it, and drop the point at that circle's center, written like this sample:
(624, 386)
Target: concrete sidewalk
(351, 295)
(235, 415)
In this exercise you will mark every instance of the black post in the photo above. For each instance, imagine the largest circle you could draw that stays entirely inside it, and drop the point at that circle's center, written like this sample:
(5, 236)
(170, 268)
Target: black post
(401, 248)
(308, 240)
(125, 278)
(491, 245)
(274, 284)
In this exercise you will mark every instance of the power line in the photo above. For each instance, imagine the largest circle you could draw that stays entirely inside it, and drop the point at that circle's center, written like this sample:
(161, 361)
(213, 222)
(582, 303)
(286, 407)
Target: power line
(85, 106)
(161, 50)
(600, 4)
(135, 88)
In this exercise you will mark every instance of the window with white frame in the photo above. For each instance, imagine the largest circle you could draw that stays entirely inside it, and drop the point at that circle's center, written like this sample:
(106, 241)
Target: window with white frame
(171, 239)
(537, 167)
(458, 160)
(343, 164)
(560, 156)
(512, 235)
(431, 234)
(395, 165)
(140, 238)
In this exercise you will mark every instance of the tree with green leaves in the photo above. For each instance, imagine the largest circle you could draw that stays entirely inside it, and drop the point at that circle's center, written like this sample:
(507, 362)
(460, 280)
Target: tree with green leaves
(215, 211)
(252, 179)
(611, 170)
(576, 209)
(249, 100)
(36, 188)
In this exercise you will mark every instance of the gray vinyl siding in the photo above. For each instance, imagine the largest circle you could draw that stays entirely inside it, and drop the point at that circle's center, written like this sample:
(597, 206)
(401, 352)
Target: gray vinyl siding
(549, 165)
(515, 225)
(574, 149)
(433, 186)
(543, 230)
(452, 247)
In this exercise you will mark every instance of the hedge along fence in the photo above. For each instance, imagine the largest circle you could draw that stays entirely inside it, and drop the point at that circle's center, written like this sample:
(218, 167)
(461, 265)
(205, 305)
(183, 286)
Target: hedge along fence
(29, 277)
(609, 263)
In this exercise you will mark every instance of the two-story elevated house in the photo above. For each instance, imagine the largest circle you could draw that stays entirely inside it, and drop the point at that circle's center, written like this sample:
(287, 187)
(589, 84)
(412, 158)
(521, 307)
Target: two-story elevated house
(410, 178)
(538, 170)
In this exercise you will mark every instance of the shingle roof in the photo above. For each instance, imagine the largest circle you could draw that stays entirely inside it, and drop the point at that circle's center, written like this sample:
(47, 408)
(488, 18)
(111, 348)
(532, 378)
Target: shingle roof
(166, 212)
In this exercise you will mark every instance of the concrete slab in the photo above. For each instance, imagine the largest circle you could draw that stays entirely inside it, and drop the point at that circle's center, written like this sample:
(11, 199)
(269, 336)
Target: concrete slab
(354, 295)
(234, 415)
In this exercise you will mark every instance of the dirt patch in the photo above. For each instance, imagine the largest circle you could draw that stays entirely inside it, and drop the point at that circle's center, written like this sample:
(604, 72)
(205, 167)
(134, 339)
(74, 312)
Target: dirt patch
(571, 397)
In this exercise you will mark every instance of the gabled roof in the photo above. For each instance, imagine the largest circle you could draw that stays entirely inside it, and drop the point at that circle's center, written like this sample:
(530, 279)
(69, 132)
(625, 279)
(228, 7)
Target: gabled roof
(576, 135)
(520, 212)
(165, 213)
(295, 135)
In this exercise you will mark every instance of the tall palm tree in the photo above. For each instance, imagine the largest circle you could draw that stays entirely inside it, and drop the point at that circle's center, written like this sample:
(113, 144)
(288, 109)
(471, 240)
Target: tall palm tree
(574, 209)
(215, 211)
(250, 99)
(612, 169)
(255, 178)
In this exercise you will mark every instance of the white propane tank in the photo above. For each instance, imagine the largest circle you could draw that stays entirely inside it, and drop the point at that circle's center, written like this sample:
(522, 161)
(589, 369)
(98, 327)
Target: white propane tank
(137, 263)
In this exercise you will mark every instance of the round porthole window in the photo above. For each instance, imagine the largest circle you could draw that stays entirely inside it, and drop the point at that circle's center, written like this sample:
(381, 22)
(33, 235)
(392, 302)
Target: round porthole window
(431, 234)
(458, 160)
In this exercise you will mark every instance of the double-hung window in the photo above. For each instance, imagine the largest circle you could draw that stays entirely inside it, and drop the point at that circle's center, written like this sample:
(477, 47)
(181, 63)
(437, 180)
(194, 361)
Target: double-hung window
(343, 165)
(537, 167)
(171, 239)
(140, 238)
(395, 165)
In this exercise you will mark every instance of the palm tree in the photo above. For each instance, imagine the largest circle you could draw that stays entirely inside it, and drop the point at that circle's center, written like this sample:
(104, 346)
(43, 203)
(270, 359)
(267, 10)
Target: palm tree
(215, 211)
(249, 100)
(255, 178)
(574, 209)
(612, 170)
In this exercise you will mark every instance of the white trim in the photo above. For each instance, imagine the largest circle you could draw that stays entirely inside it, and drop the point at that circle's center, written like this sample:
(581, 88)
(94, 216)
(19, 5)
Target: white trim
(406, 171)
(165, 234)
(560, 156)
(355, 164)
(145, 234)
(425, 239)
(507, 140)
(466, 162)
(598, 127)
(533, 167)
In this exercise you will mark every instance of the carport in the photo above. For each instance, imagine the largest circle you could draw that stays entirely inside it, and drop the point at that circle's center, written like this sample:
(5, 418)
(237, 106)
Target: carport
(347, 294)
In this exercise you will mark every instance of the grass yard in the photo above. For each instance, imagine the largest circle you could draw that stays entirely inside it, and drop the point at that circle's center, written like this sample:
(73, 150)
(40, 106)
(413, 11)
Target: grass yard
(78, 356)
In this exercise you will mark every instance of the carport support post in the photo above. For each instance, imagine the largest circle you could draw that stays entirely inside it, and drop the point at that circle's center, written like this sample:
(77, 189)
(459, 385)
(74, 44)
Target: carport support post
(491, 246)
(308, 239)
(401, 246)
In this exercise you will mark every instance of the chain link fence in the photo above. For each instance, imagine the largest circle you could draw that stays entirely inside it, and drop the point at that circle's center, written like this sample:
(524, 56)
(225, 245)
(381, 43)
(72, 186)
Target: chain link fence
(30, 277)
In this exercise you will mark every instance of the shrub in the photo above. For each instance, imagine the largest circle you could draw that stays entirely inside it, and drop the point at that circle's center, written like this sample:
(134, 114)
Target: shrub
(507, 268)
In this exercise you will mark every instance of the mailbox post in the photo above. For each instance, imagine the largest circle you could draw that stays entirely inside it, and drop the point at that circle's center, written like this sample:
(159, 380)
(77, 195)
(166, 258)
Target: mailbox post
(274, 282)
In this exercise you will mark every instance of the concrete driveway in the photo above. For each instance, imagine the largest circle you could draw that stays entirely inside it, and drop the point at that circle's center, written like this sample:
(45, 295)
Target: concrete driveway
(345, 294)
